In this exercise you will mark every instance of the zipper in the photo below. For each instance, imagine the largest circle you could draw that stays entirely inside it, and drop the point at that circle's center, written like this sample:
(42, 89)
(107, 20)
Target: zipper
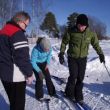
(81, 45)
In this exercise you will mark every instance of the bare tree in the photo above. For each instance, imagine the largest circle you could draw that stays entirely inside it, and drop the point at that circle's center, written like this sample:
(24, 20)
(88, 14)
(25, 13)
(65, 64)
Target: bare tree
(97, 26)
(7, 9)
(39, 9)
(4, 11)
(11, 6)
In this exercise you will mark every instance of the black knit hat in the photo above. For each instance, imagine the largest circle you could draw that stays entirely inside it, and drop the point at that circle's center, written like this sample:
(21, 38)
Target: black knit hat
(82, 19)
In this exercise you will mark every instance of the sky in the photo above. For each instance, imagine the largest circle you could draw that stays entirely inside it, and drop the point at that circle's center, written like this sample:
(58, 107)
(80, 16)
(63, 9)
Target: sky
(96, 8)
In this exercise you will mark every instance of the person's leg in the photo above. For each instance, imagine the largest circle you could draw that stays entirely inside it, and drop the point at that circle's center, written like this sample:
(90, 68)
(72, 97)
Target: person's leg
(20, 96)
(73, 71)
(8, 86)
(79, 84)
(49, 83)
(38, 86)
(16, 94)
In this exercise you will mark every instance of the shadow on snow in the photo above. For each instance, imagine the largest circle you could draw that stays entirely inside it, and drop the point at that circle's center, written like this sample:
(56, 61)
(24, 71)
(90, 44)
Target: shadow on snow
(3, 104)
(101, 88)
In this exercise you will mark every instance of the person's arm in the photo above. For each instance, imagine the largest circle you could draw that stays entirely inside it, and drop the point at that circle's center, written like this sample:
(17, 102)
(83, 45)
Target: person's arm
(65, 41)
(20, 53)
(34, 60)
(95, 44)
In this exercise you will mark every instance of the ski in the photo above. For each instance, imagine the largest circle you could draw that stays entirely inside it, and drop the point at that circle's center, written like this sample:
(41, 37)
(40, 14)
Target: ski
(83, 107)
(69, 100)
(77, 105)
(44, 100)
(59, 80)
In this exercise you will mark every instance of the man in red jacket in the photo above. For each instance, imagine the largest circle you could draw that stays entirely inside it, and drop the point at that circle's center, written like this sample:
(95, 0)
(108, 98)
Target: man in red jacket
(15, 66)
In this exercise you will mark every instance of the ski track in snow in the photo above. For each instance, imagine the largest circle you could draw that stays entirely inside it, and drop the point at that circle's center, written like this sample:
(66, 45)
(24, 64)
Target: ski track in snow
(96, 84)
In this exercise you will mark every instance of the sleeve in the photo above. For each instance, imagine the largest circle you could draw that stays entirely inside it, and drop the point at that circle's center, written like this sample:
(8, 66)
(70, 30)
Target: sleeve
(20, 53)
(49, 56)
(65, 41)
(95, 44)
(34, 60)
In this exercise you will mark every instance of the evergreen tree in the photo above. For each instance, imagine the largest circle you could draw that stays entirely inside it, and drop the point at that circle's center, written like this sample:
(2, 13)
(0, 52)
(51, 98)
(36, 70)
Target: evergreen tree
(49, 24)
(72, 19)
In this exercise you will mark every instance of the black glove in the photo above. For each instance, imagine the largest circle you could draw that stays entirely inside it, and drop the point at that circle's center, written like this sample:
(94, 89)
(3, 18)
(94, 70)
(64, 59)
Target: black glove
(102, 58)
(41, 75)
(61, 58)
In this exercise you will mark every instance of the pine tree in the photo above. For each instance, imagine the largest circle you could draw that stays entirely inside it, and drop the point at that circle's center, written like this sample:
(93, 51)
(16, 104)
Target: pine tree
(49, 24)
(72, 19)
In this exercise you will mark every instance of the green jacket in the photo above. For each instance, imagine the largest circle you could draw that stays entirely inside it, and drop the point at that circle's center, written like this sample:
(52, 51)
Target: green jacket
(79, 43)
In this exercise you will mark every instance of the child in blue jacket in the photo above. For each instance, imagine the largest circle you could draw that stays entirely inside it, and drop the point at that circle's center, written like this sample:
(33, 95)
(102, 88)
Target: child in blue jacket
(40, 59)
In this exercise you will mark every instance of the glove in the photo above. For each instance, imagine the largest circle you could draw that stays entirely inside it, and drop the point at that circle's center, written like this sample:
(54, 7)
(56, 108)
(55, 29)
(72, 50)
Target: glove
(61, 58)
(102, 58)
(41, 76)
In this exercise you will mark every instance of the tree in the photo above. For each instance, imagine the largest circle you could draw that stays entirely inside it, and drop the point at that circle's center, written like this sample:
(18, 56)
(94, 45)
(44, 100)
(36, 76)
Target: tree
(70, 23)
(62, 29)
(49, 24)
(97, 26)
(7, 9)
(72, 19)
(39, 9)
(4, 11)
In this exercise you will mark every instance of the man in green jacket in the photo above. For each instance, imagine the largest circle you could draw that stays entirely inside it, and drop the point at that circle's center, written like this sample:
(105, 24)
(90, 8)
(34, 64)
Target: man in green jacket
(78, 38)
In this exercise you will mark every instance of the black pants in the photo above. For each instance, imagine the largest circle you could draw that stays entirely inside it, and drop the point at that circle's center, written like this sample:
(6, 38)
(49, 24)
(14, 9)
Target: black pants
(75, 80)
(16, 94)
(39, 83)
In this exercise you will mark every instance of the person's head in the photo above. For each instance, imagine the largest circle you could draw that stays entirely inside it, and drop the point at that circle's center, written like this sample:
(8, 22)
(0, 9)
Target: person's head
(45, 44)
(22, 19)
(82, 22)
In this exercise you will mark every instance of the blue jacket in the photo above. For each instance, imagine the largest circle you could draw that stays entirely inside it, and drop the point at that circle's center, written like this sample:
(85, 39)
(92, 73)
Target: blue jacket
(39, 56)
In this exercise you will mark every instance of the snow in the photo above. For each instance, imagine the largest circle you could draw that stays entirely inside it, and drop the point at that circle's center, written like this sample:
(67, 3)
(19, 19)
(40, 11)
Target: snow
(96, 83)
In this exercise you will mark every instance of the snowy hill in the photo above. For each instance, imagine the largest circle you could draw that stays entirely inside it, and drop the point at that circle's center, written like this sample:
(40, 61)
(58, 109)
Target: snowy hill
(96, 83)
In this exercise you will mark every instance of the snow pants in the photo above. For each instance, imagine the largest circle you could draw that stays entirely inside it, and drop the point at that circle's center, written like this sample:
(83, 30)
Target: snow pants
(16, 94)
(39, 83)
(76, 76)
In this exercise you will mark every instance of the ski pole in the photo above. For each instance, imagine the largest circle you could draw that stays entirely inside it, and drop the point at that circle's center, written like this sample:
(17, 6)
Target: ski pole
(106, 69)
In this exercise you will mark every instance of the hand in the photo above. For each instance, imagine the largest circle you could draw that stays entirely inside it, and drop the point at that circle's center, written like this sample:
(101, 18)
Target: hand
(61, 58)
(41, 75)
(102, 58)
(46, 67)
(30, 79)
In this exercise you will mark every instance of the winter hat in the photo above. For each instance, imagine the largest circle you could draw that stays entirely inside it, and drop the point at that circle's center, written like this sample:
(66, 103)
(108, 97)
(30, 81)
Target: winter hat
(82, 19)
(45, 44)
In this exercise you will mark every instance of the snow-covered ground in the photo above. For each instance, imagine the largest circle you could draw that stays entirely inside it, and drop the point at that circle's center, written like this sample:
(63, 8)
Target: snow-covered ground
(96, 83)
